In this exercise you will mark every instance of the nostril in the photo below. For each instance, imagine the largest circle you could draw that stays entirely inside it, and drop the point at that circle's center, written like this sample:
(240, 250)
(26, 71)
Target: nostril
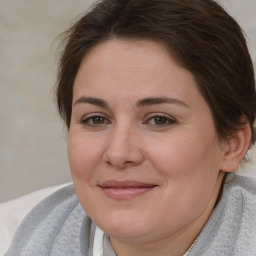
(122, 157)
(120, 165)
(128, 162)
(108, 163)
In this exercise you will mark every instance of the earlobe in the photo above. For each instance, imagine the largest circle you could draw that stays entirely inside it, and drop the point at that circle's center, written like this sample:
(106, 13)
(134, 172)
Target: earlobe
(236, 149)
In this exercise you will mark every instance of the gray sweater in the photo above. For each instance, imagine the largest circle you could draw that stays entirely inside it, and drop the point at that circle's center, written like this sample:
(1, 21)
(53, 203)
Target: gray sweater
(58, 226)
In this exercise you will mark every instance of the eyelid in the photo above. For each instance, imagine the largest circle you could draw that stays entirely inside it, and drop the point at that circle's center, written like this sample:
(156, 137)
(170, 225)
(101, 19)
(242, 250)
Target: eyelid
(160, 114)
(87, 117)
(92, 114)
(171, 120)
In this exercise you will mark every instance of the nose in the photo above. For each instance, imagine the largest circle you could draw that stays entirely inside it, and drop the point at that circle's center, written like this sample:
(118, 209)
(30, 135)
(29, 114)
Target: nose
(123, 148)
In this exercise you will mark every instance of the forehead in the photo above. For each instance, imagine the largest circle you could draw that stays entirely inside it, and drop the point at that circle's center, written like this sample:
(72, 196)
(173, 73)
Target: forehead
(121, 57)
(132, 66)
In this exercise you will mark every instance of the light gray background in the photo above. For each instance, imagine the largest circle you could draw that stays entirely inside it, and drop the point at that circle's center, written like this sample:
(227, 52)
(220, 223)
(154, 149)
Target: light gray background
(33, 138)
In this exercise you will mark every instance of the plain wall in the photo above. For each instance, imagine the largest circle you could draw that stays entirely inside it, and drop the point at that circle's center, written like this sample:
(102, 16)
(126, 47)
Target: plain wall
(32, 136)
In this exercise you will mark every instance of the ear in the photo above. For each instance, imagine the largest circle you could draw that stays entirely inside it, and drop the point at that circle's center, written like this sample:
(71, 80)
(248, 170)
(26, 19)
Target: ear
(236, 148)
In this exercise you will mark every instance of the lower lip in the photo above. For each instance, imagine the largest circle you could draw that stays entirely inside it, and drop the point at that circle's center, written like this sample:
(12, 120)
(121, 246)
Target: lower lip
(126, 193)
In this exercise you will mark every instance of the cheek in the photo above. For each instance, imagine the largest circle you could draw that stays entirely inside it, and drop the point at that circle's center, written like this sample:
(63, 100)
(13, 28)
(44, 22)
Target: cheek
(188, 164)
(175, 156)
(189, 171)
(84, 154)
(84, 157)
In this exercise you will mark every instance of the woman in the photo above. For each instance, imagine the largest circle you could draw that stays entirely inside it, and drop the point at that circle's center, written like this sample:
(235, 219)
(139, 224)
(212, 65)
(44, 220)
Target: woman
(159, 100)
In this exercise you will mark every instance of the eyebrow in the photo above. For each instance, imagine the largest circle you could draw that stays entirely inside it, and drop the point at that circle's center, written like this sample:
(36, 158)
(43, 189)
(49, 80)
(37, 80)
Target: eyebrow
(160, 100)
(94, 101)
(140, 103)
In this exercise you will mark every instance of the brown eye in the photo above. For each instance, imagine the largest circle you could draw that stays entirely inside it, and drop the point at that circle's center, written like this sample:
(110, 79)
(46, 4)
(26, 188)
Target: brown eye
(95, 121)
(98, 120)
(160, 121)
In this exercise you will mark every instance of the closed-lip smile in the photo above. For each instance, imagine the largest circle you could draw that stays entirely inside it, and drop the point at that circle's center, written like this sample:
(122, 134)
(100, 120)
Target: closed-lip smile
(125, 190)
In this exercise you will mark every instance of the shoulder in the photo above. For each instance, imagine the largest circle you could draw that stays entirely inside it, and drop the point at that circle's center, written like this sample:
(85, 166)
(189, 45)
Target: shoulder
(231, 228)
(49, 224)
(239, 196)
(13, 212)
(245, 186)
(61, 201)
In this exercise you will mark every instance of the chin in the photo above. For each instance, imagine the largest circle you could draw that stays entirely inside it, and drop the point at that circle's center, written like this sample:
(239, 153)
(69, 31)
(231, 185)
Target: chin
(127, 228)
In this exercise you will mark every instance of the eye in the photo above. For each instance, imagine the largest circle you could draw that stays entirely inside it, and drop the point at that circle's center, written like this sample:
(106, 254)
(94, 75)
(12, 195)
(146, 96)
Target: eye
(160, 121)
(95, 121)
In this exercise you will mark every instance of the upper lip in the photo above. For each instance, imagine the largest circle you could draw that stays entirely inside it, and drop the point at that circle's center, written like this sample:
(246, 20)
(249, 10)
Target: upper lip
(126, 184)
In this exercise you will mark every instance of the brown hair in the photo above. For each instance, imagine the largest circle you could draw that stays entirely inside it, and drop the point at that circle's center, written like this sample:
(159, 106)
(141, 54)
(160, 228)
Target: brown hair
(199, 34)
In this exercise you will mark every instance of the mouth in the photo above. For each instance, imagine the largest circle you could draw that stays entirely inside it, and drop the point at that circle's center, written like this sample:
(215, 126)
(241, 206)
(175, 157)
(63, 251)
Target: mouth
(125, 190)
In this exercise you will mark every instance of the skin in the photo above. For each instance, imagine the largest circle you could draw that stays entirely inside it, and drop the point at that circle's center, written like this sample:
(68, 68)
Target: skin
(115, 134)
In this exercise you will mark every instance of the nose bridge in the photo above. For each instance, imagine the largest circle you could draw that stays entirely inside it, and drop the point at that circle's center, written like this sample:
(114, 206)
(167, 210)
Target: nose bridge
(123, 146)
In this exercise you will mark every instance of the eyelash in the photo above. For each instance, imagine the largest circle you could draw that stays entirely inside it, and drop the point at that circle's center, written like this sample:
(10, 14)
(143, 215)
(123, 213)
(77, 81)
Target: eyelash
(85, 121)
(168, 121)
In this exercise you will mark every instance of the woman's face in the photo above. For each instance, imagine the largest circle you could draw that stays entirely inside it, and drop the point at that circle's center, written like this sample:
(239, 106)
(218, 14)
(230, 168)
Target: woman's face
(142, 146)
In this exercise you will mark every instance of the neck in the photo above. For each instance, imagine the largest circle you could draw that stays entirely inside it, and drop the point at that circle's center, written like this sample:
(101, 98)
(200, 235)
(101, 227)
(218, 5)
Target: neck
(175, 245)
